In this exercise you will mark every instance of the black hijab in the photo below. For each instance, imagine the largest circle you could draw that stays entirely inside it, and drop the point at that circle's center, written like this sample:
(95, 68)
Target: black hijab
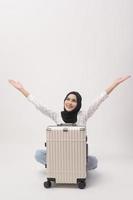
(71, 116)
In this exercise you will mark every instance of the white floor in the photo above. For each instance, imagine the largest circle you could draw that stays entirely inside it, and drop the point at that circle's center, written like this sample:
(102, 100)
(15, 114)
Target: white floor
(21, 177)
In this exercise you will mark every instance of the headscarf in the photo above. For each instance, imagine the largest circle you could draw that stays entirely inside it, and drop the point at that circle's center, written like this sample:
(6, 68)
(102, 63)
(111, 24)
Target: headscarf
(71, 116)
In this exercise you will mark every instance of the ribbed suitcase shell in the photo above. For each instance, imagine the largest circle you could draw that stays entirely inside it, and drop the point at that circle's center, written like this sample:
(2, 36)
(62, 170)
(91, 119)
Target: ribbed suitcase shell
(66, 153)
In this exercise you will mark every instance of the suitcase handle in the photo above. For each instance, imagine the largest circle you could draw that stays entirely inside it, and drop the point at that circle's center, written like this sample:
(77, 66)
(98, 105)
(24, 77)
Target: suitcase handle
(67, 124)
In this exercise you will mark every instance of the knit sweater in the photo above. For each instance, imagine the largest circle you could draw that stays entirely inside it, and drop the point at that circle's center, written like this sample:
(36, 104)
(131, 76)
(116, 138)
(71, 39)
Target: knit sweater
(82, 116)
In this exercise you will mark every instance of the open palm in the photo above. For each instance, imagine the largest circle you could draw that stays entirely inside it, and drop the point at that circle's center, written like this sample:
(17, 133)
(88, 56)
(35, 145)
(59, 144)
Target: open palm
(16, 84)
(122, 79)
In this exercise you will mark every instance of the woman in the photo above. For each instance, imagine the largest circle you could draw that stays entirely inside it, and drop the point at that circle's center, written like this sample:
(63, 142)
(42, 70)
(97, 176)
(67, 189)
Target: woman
(71, 112)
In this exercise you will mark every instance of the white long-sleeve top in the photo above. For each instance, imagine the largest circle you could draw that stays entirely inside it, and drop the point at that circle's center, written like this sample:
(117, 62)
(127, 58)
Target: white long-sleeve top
(82, 116)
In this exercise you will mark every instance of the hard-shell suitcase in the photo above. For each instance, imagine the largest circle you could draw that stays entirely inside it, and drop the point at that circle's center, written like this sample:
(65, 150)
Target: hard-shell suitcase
(66, 155)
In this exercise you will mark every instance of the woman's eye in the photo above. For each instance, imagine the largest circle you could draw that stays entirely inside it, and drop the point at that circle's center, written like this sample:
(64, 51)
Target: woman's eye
(74, 100)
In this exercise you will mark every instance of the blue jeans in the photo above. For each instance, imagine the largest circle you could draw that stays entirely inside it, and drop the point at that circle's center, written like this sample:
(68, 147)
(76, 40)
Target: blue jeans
(40, 156)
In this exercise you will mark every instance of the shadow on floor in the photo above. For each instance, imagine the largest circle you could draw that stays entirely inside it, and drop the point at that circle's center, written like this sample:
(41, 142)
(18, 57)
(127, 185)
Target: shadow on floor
(93, 178)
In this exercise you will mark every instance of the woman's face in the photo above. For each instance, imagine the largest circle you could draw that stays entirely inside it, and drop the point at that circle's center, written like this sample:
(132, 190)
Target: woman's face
(70, 102)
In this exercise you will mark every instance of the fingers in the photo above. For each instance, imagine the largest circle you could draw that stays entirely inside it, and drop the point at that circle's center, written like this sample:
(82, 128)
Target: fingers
(11, 81)
(129, 76)
(126, 77)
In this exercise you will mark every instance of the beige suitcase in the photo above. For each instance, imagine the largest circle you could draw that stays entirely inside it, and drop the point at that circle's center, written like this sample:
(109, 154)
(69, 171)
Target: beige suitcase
(66, 155)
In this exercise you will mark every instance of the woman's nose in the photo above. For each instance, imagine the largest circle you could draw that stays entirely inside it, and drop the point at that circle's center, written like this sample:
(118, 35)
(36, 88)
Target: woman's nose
(69, 104)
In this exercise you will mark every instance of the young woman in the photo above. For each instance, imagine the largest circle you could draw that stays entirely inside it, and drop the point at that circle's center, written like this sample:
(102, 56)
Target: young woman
(71, 112)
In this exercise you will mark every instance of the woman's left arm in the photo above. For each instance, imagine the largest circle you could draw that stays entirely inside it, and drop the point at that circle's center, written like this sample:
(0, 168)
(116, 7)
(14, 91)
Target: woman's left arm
(116, 83)
(97, 102)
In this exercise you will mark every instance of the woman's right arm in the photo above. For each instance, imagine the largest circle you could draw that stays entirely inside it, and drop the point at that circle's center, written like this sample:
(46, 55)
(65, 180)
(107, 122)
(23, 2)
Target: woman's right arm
(19, 87)
(51, 114)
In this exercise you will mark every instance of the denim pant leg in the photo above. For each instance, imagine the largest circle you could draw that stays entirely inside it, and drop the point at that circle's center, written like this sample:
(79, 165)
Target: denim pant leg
(40, 156)
(91, 162)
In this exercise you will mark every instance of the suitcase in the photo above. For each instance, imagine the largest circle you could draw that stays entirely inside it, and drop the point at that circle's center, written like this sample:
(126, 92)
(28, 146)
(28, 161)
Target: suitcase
(66, 155)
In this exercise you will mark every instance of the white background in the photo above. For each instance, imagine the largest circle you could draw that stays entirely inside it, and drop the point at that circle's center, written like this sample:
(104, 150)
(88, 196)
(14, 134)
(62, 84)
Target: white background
(53, 47)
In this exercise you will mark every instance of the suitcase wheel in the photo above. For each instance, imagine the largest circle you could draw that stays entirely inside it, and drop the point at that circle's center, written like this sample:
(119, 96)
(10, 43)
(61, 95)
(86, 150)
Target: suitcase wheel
(81, 184)
(47, 184)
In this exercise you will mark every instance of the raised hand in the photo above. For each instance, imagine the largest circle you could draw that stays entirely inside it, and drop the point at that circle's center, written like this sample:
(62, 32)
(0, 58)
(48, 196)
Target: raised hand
(19, 87)
(116, 83)
(16, 84)
(122, 79)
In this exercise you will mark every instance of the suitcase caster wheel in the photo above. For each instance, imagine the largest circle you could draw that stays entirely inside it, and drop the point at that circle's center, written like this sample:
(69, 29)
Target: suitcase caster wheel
(81, 184)
(47, 184)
